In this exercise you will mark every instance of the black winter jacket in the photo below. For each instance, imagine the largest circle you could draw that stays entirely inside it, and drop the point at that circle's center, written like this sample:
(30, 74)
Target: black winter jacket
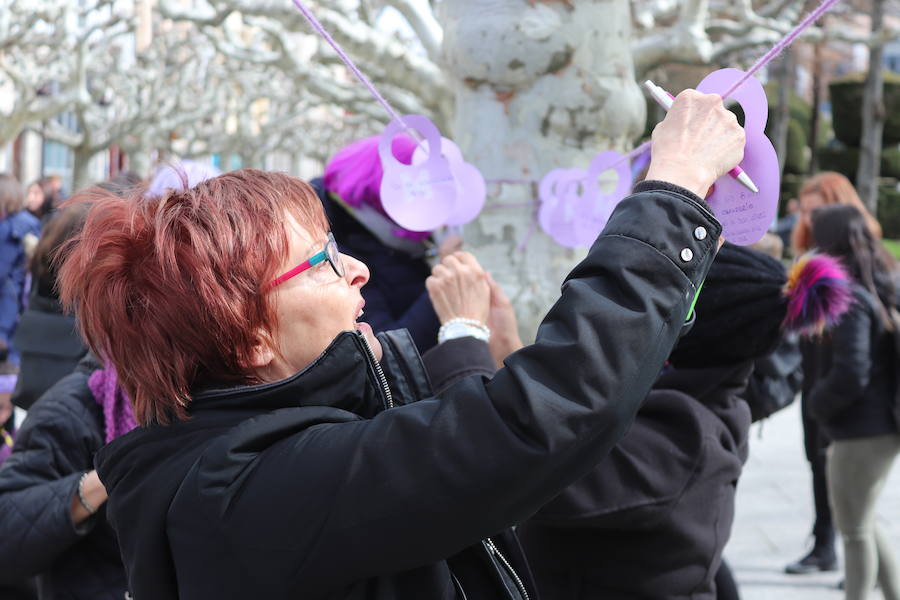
(651, 520)
(49, 346)
(316, 487)
(853, 374)
(54, 447)
(395, 295)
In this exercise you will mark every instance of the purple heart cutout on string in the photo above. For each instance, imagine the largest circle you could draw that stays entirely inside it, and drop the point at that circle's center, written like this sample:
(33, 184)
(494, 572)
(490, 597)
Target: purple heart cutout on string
(746, 216)
(417, 197)
(555, 216)
(470, 187)
(574, 209)
(596, 206)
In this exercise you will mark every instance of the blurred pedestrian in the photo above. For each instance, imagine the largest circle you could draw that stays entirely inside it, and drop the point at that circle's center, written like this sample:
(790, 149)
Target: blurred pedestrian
(15, 225)
(46, 337)
(853, 397)
(824, 189)
(42, 198)
(178, 175)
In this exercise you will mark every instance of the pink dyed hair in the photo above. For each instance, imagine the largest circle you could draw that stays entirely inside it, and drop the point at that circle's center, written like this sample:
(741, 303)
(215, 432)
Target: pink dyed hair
(354, 174)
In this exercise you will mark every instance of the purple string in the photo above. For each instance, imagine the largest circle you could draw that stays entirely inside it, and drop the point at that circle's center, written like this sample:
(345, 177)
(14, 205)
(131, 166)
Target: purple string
(352, 66)
(524, 243)
(784, 43)
(505, 180)
(510, 204)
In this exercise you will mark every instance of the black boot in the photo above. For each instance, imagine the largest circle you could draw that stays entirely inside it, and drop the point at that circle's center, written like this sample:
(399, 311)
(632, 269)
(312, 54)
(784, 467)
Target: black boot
(820, 558)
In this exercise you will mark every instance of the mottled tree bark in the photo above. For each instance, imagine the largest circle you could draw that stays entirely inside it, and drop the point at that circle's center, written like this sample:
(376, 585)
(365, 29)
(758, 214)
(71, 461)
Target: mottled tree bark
(872, 116)
(538, 85)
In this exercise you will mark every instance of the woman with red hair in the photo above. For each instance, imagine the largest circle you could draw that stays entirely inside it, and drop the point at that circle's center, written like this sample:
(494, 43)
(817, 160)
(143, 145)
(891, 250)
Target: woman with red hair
(824, 189)
(286, 452)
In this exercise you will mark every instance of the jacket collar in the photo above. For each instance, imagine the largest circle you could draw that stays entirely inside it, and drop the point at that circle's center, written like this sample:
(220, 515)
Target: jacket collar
(344, 376)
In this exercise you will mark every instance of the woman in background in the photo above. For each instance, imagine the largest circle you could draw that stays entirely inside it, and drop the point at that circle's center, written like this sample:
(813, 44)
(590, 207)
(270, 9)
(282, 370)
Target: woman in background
(42, 197)
(853, 398)
(46, 337)
(15, 225)
(824, 189)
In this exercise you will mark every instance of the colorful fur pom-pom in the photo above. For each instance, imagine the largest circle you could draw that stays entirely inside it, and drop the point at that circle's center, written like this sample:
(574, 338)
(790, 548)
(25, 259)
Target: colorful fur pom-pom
(818, 293)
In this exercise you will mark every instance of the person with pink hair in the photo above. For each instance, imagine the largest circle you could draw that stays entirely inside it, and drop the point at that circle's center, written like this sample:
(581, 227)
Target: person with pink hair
(350, 192)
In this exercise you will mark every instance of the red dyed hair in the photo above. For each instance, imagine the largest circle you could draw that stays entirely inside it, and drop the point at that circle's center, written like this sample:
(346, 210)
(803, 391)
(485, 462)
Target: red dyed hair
(171, 290)
(834, 189)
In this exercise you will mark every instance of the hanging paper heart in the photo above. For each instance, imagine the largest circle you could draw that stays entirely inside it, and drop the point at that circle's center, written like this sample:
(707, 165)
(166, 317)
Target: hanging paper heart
(574, 209)
(417, 197)
(470, 187)
(596, 206)
(556, 215)
(746, 216)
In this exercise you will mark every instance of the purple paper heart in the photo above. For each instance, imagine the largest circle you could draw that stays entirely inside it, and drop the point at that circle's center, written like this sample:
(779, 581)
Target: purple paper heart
(596, 205)
(574, 209)
(419, 197)
(556, 214)
(746, 216)
(470, 187)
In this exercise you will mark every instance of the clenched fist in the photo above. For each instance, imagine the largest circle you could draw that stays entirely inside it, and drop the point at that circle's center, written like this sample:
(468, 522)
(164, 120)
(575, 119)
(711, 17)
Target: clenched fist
(458, 287)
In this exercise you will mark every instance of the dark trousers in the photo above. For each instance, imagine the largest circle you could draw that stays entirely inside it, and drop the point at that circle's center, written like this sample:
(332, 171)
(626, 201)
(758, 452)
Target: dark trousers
(815, 441)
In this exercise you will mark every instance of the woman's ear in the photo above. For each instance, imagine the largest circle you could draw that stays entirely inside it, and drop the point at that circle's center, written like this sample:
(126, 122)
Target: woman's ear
(262, 355)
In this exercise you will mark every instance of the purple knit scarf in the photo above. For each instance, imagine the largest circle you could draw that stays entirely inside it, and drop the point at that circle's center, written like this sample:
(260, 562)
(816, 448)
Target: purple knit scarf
(117, 413)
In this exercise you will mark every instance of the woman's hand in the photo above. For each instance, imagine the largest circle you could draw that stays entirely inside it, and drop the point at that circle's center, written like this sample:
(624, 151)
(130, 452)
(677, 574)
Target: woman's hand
(458, 287)
(697, 142)
(94, 493)
(503, 325)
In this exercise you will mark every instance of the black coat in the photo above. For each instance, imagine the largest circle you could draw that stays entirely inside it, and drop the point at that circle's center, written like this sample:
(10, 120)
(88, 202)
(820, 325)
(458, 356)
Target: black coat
(311, 487)
(49, 346)
(395, 295)
(852, 374)
(54, 447)
(652, 519)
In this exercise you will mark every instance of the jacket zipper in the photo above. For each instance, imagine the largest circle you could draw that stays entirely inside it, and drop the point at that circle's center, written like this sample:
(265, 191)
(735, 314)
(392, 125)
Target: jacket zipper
(379, 372)
(389, 402)
(489, 543)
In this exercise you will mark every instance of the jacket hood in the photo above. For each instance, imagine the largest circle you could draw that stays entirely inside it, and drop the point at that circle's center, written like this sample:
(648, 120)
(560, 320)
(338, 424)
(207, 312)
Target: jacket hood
(142, 470)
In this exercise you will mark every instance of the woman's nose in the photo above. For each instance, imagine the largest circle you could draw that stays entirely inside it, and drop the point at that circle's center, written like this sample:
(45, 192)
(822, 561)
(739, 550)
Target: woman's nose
(355, 271)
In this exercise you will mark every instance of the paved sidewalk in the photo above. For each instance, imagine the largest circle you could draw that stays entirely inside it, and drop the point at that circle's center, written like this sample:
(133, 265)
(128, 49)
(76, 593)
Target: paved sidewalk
(774, 516)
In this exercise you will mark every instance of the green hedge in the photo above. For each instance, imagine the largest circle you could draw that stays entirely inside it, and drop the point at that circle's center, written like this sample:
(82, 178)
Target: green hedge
(846, 160)
(797, 161)
(846, 101)
(889, 211)
(800, 109)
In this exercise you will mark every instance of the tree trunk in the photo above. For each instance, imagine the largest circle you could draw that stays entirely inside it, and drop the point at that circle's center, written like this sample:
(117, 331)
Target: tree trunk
(815, 113)
(872, 116)
(782, 116)
(539, 85)
(139, 162)
(81, 176)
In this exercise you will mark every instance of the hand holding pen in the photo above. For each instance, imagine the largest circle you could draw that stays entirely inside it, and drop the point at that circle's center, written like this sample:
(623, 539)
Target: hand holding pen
(665, 99)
